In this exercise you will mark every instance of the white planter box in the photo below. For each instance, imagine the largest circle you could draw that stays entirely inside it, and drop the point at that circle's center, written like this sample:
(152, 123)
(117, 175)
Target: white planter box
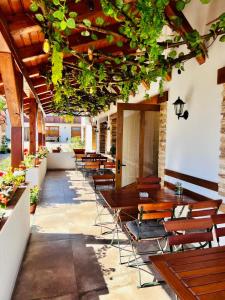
(36, 175)
(61, 161)
(13, 239)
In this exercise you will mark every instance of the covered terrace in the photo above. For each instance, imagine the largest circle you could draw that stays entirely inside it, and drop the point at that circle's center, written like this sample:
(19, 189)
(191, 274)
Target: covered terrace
(138, 211)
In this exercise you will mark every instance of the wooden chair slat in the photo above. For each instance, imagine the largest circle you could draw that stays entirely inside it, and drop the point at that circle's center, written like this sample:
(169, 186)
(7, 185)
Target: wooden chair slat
(156, 206)
(205, 204)
(190, 238)
(149, 179)
(103, 177)
(188, 224)
(201, 213)
(157, 215)
(146, 187)
(218, 219)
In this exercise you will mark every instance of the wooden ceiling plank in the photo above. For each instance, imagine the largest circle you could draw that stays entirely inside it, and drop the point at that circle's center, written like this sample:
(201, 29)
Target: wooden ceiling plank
(9, 40)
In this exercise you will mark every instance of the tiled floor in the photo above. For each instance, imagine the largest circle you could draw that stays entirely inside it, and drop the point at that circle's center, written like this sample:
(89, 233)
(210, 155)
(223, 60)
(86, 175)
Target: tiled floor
(67, 258)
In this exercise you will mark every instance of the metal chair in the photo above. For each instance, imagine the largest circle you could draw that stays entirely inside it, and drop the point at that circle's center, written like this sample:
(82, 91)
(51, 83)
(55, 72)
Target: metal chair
(90, 167)
(187, 232)
(218, 232)
(102, 182)
(203, 208)
(148, 227)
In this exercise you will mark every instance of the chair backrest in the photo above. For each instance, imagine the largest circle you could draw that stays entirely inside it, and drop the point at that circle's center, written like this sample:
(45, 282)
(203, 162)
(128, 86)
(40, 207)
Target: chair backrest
(219, 220)
(146, 187)
(188, 231)
(79, 151)
(101, 158)
(91, 153)
(85, 159)
(92, 165)
(79, 156)
(104, 180)
(148, 180)
(203, 208)
(153, 211)
(109, 165)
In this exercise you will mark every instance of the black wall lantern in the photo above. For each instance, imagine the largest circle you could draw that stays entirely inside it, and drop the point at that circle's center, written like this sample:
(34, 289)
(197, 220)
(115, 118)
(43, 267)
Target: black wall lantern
(179, 109)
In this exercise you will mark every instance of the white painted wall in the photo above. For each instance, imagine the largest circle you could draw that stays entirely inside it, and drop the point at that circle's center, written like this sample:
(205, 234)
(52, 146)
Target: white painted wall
(61, 161)
(88, 138)
(36, 175)
(64, 132)
(13, 240)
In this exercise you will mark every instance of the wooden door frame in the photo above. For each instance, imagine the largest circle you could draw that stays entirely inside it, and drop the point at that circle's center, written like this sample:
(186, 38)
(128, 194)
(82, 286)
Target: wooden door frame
(121, 107)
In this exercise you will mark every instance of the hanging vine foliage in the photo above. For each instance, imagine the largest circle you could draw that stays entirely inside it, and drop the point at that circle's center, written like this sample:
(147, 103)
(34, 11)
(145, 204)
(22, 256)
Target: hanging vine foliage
(90, 81)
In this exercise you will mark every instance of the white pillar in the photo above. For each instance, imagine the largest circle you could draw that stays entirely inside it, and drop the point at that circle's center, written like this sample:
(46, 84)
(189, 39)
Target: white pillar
(88, 138)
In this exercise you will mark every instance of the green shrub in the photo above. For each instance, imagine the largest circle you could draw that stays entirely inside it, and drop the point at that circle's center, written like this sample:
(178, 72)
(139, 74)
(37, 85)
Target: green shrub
(34, 194)
(77, 143)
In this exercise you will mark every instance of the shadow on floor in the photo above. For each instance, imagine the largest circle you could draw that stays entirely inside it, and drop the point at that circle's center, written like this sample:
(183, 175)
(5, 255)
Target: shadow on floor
(61, 266)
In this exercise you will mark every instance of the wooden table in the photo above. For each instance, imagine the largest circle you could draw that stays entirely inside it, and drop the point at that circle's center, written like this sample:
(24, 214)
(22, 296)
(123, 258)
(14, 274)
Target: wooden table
(194, 274)
(128, 199)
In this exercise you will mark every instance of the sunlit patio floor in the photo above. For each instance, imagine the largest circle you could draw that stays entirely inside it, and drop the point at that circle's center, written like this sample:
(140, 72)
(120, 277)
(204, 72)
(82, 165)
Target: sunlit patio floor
(67, 258)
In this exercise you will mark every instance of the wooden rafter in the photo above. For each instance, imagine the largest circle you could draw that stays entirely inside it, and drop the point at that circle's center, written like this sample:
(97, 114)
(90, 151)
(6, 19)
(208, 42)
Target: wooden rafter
(11, 45)
(183, 28)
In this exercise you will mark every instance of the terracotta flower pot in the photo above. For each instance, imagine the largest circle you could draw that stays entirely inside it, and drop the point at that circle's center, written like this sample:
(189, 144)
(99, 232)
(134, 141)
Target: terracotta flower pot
(37, 161)
(22, 167)
(33, 208)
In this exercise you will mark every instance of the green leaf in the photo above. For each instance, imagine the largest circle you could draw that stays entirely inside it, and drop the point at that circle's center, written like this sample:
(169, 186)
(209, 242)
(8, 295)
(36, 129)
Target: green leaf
(172, 54)
(180, 5)
(99, 21)
(94, 37)
(222, 38)
(72, 14)
(205, 1)
(117, 60)
(119, 44)
(58, 14)
(34, 7)
(63, 25)
(119, 3)
(56, 2)
(87, 22)
(39, 17)
(71, 23)
(110, 38)
(85, 33)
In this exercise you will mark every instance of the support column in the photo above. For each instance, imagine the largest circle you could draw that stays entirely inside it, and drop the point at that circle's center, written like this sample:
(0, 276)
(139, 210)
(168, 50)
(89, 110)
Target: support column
(43, 131)
(16, 146)
(33, 126)
(40, 128)
(141, 143)
(13, 87)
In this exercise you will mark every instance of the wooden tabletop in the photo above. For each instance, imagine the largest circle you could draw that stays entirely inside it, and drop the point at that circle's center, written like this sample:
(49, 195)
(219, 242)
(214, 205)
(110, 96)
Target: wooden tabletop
(194, 274)
(127, 199)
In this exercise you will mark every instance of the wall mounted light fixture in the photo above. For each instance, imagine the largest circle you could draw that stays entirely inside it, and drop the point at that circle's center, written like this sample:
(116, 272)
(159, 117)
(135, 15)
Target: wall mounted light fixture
(179, 109)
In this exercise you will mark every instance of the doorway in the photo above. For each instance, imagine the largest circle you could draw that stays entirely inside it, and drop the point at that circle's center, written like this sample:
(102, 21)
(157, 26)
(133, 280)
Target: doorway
(137, 141)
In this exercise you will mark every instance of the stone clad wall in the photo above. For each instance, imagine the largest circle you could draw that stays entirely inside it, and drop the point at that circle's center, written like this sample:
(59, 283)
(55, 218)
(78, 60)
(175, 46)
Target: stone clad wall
(162, 141)
(222, 149)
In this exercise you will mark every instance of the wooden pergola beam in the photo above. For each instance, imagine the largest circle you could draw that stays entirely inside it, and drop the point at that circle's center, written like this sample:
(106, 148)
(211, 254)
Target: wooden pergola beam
(33, 126)
(221, 75)
(4, 29)
(183, 28)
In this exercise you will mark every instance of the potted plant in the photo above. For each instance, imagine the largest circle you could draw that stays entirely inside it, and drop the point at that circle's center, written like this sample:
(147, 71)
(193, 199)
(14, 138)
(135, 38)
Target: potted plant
(34, 194)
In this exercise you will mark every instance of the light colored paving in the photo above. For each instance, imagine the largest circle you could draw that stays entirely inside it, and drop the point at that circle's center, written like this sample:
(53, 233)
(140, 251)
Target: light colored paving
(67, 258)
